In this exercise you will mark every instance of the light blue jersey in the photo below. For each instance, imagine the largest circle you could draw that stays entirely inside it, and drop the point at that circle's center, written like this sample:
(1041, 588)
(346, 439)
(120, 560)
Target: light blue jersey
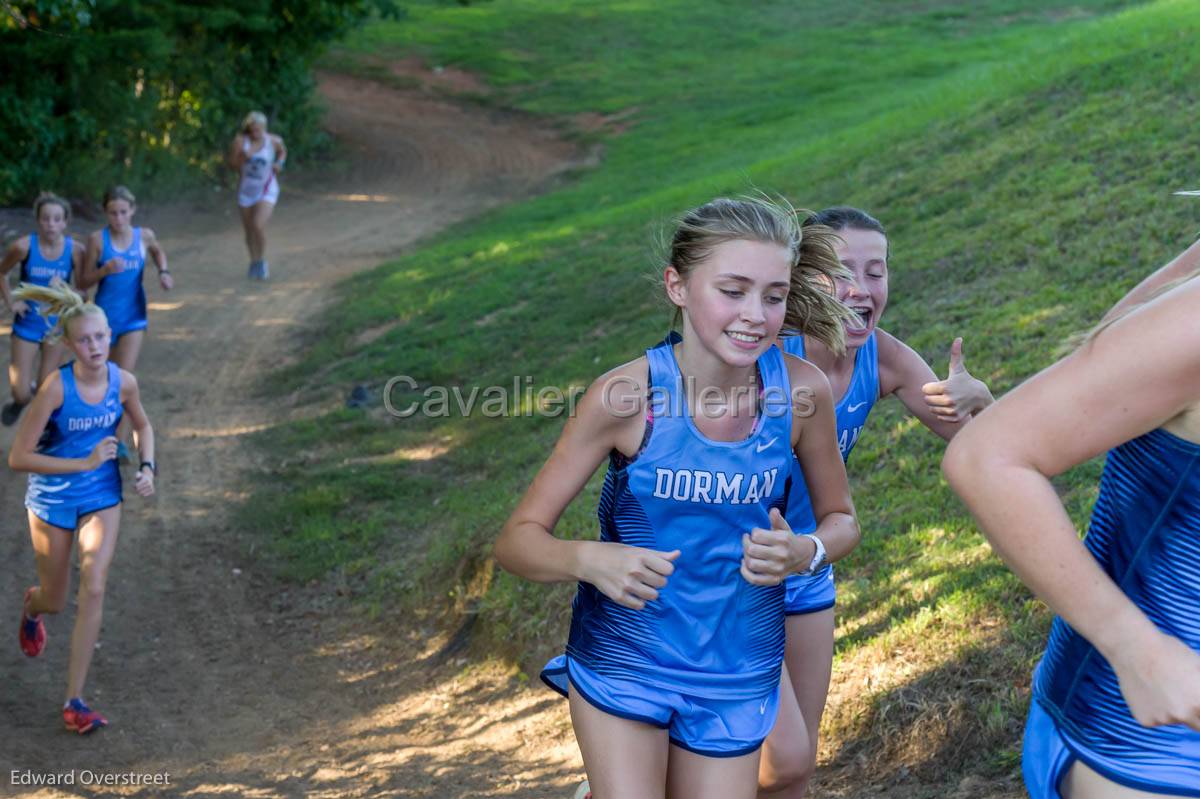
(39, 271)
(73, 431)
(122, 295)
(710, 633)
(1145, 534)
(812, 593)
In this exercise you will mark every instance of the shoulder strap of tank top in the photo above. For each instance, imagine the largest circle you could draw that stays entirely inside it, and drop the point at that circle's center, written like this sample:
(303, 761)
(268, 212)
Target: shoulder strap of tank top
(870, 365)
(666, 382)
(793, 345)
(114, 382)
(67, 374)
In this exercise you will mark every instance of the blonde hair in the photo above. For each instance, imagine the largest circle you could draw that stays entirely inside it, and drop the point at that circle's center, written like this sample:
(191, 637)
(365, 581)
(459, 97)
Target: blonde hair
(118, 193)
(50, 198)
(812, 306)
(1080, 339)
(254, 117)
(58, 299)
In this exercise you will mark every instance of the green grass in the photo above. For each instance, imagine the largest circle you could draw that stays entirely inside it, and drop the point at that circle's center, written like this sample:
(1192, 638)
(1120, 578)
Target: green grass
(1022, 156)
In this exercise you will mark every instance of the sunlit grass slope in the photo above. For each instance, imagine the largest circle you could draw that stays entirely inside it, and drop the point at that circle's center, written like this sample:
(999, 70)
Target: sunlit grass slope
(1022, 155)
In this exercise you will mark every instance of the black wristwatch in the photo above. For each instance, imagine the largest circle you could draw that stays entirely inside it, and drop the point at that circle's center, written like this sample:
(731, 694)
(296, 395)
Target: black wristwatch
(153, 468)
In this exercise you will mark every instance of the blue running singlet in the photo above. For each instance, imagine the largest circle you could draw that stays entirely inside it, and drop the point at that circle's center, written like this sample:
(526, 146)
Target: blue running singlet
(73, 431)
(122, 295)
(710, 634)
(39, 271)
(1145, 534)
(812, 593)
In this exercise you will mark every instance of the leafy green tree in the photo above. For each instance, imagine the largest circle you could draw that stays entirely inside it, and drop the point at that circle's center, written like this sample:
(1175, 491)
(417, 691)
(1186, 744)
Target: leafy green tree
(97, 91)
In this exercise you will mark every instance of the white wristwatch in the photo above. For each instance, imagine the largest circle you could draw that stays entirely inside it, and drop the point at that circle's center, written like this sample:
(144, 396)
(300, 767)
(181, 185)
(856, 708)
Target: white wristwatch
(818, 560)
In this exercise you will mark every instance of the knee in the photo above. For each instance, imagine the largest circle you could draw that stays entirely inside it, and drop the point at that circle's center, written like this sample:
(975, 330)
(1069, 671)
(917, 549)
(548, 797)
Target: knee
(787, 765)
(91, 584)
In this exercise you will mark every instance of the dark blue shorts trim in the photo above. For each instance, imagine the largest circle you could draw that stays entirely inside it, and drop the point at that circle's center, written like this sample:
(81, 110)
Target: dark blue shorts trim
(806, 611)
(703, 753)
(546, 674)
(614, 712)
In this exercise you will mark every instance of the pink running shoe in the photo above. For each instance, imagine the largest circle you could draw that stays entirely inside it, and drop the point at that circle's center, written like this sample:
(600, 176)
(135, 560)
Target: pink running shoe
(32, 633)
(82, 719)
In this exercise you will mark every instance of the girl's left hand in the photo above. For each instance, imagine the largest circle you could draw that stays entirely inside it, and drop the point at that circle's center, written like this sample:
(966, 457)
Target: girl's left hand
(768, 556)
(960, 396)
(144, 482)
(166, 281)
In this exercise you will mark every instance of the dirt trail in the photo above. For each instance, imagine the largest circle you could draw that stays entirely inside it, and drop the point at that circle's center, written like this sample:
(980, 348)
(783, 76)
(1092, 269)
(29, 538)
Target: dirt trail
(210, 672)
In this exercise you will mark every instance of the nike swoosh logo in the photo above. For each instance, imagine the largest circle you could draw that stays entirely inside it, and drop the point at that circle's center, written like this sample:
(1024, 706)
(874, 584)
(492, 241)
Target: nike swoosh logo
(761, 446)
(853, 408)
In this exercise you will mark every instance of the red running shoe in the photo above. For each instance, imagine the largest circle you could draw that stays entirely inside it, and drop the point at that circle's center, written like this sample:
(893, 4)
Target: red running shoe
(32, 633)
(82, 719)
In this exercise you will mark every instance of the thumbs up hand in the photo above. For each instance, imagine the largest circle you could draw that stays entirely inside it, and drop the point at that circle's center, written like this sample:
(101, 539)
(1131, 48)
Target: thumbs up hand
(768, 556)
(960, 396)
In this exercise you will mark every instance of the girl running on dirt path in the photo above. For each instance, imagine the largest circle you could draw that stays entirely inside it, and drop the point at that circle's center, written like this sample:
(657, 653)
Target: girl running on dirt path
(676, 644)
(874, 365)
(116, 260)
(257, 156)
(67, 441)
(47, 254)
(1116, 697)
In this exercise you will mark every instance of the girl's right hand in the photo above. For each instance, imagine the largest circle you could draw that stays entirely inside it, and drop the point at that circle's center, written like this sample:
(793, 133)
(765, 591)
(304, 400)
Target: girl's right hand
(19, 307)
(1161, 682)
(629, 576)
(104, 452)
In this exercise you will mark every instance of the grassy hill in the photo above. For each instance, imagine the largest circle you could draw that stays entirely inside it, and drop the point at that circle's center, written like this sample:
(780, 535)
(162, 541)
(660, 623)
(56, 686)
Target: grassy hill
(1022, 156)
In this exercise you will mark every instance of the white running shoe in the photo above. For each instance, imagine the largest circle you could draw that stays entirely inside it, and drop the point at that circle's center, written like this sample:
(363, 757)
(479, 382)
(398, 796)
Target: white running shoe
(584, 791)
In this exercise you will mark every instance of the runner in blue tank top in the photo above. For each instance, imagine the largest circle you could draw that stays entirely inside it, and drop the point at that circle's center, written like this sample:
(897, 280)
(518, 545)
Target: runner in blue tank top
(67, 441)
(1116, 698)
(116, 261)
(42, 256)
(676, 640)
(874, 365)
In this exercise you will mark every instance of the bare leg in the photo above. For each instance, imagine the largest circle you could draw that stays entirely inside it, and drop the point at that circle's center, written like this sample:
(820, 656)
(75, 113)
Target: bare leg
(252, 245)
(693, 776)
(125, 355)
(20, 369)
(52, 550)
(1083, 783)
(97, 544)
(52, 358)
(788, 749)
(261, 215)
(809, 660)
(624, 759)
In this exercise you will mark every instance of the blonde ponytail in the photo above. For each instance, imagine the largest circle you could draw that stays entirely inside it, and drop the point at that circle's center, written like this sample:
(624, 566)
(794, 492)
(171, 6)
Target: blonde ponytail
(58, 299)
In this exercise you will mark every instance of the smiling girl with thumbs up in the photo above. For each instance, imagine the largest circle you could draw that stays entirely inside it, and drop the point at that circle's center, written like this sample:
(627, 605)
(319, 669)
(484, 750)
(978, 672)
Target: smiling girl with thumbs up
(874, 365)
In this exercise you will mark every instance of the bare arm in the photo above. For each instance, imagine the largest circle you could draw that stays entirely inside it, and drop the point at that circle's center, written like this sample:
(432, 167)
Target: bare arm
(17, 252)
(526, 545)
(942, 406)
(1106, 393)
(280, 153)
(237, 154)
(143, 433)
(93, 271)
(159, 256)
(23, 457)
